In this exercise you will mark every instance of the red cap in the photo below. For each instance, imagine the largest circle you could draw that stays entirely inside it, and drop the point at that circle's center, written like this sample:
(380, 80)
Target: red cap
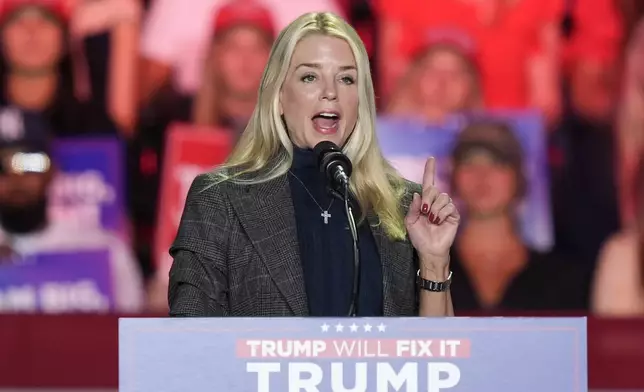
(239, 12)
(461, 41)
(60, 8)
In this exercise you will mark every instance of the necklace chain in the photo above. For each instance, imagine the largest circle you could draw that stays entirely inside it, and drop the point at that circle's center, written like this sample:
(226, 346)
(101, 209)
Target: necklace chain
(325, 213)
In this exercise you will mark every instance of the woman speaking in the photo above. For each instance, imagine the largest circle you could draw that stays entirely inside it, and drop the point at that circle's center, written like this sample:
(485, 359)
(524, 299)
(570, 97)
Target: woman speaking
(264, 235)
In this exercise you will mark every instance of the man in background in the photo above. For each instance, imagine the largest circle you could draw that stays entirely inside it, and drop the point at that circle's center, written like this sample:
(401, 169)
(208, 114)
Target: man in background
(26, 172)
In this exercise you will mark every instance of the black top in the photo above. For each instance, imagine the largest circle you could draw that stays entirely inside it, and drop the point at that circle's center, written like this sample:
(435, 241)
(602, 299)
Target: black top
(326, 250)
(546, 283)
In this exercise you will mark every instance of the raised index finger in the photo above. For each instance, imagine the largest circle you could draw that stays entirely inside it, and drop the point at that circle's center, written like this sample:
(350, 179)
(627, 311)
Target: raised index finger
(430, 173)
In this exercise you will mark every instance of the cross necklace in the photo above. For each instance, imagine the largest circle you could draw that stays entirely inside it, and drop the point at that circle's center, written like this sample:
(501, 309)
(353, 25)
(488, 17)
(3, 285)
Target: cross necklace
(325, 213)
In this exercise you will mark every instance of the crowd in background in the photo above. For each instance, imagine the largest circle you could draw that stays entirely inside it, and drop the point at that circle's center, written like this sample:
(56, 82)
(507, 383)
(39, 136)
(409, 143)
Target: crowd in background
(128, 70)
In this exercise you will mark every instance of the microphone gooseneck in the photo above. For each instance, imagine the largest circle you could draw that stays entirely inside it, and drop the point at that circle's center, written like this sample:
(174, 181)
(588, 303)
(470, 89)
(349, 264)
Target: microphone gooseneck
(337, 169)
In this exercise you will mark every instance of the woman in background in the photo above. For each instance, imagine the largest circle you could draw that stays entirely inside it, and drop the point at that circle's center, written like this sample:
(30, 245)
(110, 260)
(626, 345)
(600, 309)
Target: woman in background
(499, 271)
(242, 39)
(618, 289)
(240, 49)
(443, 79)
(45, 70)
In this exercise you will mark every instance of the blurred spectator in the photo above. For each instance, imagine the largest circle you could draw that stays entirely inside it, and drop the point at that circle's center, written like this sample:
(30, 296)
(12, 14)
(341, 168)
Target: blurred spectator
(104, 40)
(517, 43)
(26, 172)
(632, 11)
(583, 155)
(38, 68)
(592, 58)
(442, 79)
(176, 34)
(583, 185)
(618, 288)
(241, 44)
(630, 122)
(496, 269)
(593, 89)
(239, 47)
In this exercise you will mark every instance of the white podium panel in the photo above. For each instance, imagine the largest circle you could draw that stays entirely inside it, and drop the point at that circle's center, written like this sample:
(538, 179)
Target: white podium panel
(353, 354)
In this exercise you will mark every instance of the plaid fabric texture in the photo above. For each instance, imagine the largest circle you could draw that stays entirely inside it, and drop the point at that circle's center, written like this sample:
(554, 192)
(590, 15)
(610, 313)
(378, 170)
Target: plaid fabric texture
(236, 254)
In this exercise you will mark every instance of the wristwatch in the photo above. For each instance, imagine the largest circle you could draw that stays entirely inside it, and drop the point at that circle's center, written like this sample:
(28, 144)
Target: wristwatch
(431, 285)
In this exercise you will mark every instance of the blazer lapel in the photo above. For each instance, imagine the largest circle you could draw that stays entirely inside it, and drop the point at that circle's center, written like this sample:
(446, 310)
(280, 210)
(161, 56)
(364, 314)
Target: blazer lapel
(266, 213)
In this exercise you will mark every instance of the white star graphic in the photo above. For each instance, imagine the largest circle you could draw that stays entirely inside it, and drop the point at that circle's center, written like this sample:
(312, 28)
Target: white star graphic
(339, 327)
(382, 327)
(353, 327)
(325, 327)
(367, 327)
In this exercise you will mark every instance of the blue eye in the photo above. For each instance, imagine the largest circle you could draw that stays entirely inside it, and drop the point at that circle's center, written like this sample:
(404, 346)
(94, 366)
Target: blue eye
(308, 78)
(348, 80)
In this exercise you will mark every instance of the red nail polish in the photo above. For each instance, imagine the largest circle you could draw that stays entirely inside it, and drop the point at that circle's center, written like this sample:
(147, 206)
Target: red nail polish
(431, 217)
(437, 220)
(425, 208)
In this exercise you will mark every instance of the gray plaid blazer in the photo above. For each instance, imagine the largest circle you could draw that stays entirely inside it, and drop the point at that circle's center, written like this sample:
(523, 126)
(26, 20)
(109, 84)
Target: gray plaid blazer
(237, 254)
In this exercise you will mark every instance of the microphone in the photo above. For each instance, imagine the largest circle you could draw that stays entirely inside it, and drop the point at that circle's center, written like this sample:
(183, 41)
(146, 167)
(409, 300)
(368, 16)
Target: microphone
(334, 164)
(337, 168)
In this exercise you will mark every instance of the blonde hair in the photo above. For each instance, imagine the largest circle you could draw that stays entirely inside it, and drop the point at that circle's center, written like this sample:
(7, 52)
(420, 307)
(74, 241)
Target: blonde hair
(265, 142)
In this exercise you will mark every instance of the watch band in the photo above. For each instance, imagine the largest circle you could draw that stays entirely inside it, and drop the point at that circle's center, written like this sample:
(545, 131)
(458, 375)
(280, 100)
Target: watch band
(433, 286)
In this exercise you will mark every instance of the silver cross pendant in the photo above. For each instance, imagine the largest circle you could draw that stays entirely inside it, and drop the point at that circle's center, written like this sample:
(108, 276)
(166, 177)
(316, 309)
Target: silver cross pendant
(326, 217)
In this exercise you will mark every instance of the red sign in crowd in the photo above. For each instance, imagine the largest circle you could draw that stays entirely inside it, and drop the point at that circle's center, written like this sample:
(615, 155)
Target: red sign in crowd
(190, 151)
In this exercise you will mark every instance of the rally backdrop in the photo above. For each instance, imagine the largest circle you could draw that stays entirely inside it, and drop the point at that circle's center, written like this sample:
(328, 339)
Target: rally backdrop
(353, 354)
(407, 143)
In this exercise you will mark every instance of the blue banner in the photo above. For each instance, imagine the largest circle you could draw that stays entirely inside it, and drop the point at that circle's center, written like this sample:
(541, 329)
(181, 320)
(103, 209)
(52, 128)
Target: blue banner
(407, 143)
(57, 283)
(353, 354)
(90, 185)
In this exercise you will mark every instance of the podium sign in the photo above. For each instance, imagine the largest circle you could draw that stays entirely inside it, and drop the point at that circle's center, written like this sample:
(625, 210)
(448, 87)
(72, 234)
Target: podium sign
(353, 354)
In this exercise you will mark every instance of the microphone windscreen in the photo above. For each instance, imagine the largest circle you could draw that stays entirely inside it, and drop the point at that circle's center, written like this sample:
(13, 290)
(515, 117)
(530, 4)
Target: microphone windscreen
(325, 147)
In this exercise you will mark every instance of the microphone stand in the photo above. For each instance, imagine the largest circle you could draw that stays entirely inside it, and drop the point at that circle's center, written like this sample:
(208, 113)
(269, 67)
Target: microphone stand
(337, 168)
(353, 310)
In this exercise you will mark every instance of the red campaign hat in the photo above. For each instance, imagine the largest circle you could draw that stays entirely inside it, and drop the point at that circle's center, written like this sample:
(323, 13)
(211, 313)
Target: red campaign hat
(60, 8)
(239, 12)
(415, 42)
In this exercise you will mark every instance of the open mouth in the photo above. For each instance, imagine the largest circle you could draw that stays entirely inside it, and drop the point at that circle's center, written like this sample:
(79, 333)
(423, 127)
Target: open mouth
(326, 122)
